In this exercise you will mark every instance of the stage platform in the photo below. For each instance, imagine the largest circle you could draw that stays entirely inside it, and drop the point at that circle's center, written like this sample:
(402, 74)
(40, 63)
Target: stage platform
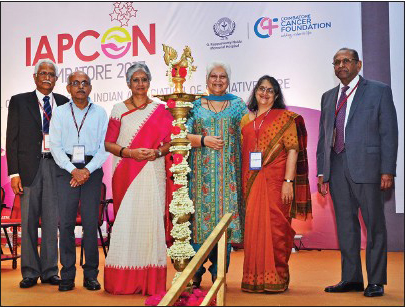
(310, 271)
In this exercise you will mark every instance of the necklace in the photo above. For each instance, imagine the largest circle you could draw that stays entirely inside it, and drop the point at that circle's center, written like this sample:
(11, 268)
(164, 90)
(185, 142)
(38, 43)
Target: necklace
(257, 131)
(223, 107)
(142, 106)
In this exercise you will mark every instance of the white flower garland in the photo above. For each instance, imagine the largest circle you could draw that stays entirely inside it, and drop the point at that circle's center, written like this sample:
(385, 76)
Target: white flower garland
(180, 179)
(176, 276)
(180, 250)
(181, 231)
(183, 201)
(181, 135)
(184, 104)
(181, 204)
(179, 121)
(181, 167)
(169, 73)
(180, 147)
(189, 67)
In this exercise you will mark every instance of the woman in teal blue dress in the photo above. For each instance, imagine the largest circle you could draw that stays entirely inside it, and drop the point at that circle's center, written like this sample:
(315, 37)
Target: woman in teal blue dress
(215, 162)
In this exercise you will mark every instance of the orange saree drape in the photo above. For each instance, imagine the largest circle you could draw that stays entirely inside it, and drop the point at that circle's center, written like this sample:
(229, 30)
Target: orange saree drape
(268, 232)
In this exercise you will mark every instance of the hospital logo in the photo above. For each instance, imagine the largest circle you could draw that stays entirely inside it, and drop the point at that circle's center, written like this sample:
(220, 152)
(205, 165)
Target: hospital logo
(224, 27)
(264, 26)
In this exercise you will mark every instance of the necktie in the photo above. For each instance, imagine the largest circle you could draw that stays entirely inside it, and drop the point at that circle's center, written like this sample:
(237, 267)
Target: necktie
(48, 111)
(340, 122)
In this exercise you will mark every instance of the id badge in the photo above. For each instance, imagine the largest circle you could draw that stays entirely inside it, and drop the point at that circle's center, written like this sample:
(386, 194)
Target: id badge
(78, 154)
(334, 137)
(45, 143)
(255, 160)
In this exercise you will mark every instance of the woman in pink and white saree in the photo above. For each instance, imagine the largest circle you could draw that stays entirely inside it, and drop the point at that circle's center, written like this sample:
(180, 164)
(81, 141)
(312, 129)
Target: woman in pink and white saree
(138, 136)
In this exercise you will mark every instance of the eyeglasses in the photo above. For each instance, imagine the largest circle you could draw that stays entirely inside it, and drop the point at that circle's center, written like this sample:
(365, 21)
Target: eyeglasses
(263, 90)
(76, 83)
(140, 80)
(44, 74)
(221, 77)
(345, 61)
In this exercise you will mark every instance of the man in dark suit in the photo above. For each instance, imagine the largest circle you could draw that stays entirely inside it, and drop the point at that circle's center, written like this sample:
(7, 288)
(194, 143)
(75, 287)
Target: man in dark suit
(32, 172)
(356, 159)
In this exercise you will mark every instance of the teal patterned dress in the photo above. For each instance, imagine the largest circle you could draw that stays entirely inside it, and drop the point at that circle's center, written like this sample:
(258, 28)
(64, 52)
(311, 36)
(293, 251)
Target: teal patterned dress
(215, 179)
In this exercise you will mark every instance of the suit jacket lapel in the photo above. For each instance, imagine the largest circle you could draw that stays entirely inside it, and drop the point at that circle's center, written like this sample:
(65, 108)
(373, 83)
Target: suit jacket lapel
(32, 105)
(332, 105)
(357, 97)
(58, 100)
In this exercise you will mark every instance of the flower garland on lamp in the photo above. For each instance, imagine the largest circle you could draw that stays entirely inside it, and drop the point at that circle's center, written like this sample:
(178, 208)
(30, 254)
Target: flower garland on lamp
(181, 207)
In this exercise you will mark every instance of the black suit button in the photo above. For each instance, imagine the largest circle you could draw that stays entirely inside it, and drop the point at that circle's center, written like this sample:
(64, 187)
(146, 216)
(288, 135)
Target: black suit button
(38, 157)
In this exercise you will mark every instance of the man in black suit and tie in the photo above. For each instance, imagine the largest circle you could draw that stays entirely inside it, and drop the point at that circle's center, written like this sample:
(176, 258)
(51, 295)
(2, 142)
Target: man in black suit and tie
(32, 172)
(356, 159)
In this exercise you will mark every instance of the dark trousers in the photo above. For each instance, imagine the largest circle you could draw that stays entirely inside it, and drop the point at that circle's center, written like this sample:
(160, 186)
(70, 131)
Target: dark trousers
(348, 197)
(88, 195)
(213, 257)
(40, 201)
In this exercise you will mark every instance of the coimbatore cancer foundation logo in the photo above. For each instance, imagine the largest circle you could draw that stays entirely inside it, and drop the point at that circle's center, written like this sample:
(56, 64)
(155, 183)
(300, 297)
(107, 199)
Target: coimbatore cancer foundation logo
(116, 42)
(266, 25)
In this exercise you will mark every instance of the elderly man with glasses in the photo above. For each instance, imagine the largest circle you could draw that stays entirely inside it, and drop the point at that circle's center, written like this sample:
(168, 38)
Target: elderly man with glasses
(77, 135)
(32, 172)
(356, 159)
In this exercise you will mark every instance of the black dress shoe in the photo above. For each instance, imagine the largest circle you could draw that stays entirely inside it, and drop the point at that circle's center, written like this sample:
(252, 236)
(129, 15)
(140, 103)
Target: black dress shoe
(91, 284)
(197, 282)
(53, 280)
(28, 282)
(346, 286)
(66, 284)
(374, 290)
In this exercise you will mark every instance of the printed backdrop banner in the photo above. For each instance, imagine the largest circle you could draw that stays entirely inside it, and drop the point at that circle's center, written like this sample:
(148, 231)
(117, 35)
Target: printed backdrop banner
(294, 42)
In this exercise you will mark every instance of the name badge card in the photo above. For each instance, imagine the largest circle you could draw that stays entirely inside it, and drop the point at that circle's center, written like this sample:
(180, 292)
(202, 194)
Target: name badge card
(45, 143)
(78, 154)
(255, 161)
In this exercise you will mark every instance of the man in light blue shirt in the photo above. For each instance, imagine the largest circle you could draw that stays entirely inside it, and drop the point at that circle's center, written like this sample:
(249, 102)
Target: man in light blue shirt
(76, 140)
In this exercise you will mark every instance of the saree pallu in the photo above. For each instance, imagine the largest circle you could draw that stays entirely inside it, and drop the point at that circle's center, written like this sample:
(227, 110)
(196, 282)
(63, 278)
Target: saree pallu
(268, 232)
(136, 260)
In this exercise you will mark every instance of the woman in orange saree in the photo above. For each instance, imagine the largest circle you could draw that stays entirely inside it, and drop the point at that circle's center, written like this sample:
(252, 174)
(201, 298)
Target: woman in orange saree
(275, 186)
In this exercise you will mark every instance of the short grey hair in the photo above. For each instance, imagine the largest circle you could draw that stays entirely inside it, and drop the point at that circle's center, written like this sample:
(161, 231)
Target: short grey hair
(78, 72)
(214, 64)
(46, 61)
(134, 68)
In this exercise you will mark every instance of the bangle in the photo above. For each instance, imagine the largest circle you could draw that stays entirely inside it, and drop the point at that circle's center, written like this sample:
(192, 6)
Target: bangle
(202, 141)
(121, 150)
(288, 180)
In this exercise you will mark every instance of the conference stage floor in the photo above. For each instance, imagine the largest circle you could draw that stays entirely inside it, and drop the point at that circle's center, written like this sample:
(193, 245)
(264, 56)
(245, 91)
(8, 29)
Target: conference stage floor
(310, 271)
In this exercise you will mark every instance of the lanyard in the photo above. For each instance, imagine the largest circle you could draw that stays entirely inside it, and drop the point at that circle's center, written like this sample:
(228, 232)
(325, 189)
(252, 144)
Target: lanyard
(257, 131)
(347, 97)
(43, 110)
(74, 119)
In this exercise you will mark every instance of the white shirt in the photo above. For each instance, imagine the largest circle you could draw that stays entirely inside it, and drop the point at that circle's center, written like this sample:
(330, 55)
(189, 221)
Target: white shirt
(41, 101)
(349, 101)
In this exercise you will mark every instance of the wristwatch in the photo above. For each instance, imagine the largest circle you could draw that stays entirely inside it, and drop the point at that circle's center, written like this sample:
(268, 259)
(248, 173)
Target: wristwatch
(159, 153)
